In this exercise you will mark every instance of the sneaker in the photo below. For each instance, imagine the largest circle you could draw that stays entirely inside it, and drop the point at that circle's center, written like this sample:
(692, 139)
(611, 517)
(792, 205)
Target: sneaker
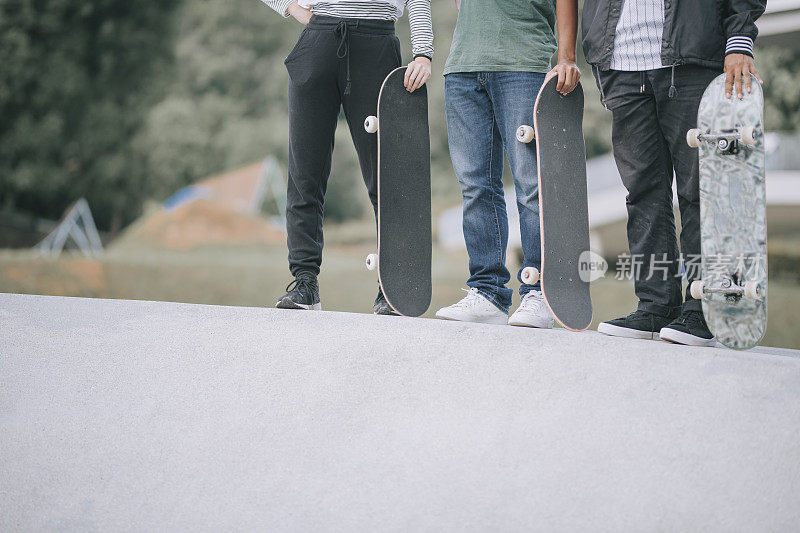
(637, 325)
(689, 328)
(302, 293)
(381, 306)
(532, 312)
(474, 307)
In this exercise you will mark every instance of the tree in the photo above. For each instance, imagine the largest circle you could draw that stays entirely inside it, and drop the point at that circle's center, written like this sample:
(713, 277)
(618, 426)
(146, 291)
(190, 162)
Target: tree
(77, 80)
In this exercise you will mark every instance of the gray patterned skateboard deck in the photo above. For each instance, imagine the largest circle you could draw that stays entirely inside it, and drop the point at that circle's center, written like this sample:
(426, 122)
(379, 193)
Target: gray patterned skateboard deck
(733, 221)
(563, 203)
(404, 196)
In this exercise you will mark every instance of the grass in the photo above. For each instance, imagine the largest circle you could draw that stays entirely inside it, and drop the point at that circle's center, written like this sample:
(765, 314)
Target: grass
(257, 276)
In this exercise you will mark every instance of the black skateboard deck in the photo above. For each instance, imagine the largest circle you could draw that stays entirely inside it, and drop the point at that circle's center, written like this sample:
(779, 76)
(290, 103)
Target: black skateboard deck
(404, 196)
(563, 202)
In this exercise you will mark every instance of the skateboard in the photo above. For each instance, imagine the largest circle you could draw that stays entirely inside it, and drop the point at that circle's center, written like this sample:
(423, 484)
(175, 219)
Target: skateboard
(403, 260)
(563, 204)
(733, 218)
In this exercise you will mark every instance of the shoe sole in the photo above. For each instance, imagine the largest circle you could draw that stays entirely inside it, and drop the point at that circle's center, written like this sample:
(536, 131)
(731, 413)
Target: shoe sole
(520, 323)
(680, 337)
(499, 321)
(629, 333)
(286, 303)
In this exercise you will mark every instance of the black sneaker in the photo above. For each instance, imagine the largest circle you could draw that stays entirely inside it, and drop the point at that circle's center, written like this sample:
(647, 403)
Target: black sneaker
(302, 293)
(637, 325)
(689, 328)
(381, 306)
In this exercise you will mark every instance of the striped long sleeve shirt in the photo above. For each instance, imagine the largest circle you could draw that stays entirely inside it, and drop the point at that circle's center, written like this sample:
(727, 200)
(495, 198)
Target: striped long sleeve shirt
(419, 15)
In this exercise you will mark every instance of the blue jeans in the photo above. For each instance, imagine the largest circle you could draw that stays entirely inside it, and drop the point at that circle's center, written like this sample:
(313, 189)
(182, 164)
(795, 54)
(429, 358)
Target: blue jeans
(484, 110)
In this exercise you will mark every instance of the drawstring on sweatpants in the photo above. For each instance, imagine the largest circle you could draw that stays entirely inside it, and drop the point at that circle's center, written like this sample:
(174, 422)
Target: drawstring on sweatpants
(599, 85)
(344, 49)
(673, 92)
(641, 88)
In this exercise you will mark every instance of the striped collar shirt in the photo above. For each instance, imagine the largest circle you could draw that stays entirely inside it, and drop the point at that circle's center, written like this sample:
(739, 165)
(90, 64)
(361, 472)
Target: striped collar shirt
(637, 41)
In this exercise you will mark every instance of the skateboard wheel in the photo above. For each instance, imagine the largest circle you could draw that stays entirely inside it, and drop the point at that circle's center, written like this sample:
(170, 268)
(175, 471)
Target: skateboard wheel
(525, 134)
(698, 289)
(530, 276)
(372, 261)
(749, 135)
(692, 137)
(371, 124)
(752, 290)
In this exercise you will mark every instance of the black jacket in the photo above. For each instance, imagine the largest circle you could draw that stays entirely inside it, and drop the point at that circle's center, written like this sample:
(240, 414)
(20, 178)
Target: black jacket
(695, 31)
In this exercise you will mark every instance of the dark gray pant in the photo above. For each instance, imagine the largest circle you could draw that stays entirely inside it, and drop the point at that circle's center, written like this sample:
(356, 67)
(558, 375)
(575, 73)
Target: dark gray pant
(335, 63)
(649, 137)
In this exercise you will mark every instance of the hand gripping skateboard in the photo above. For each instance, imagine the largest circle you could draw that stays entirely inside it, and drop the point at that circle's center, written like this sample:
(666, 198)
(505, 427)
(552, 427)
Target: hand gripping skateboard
(403, 260)
(733, 221)
(563, 203)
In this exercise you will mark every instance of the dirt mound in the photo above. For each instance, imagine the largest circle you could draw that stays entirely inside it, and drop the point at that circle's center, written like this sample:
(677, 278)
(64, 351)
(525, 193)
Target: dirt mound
(241, 189)
(201, 223)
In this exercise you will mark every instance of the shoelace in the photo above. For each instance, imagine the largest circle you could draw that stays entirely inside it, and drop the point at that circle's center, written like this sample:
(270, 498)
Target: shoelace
(469, 300)
(304, 285)
(690, 317)
(533, 300)
(636, 314)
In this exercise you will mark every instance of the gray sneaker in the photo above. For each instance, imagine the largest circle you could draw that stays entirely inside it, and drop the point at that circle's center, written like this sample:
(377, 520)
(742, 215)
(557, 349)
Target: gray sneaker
(302, 293)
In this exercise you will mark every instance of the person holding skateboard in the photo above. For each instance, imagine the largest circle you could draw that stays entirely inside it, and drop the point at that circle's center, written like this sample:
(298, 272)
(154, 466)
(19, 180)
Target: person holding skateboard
(652, 60)
(498, 61)
(340, 60)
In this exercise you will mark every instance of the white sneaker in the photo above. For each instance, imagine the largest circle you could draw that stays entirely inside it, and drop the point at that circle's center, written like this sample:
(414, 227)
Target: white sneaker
(474, 307)
(532, 312)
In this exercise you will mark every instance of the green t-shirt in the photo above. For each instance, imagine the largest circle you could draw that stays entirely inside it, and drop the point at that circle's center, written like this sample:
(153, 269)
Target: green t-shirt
(503, 35)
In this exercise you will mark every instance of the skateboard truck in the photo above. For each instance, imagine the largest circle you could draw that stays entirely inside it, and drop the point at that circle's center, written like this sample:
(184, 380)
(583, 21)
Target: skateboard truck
(727, 142)
(751, 290)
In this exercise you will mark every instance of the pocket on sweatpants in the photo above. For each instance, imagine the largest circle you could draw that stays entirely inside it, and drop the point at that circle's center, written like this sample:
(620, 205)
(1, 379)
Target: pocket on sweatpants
(298, 47)
(614, 86)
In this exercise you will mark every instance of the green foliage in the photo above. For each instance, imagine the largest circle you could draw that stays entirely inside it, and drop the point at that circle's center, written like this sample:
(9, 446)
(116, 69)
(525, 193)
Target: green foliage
(77, 78)
(780, 70)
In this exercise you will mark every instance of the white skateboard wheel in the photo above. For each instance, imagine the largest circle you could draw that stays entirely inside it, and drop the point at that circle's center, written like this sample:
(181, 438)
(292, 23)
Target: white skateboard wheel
(525, 134)
(698, 289)
(530, 275)
(372, 261)
(752, 290)
(692, 137)
(749, 135)
(371, 124)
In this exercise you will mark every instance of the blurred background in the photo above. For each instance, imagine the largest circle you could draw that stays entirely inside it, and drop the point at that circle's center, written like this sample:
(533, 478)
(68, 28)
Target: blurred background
(143, 152)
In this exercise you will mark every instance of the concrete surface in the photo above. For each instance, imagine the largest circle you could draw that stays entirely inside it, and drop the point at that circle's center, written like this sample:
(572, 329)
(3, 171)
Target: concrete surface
(145, 416)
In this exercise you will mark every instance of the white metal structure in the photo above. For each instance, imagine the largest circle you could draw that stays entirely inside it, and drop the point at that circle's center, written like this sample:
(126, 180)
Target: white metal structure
(77, 225)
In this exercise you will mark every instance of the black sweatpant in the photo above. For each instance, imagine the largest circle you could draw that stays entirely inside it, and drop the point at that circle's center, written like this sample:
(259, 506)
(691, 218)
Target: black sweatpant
(649, 139)
(336, 62)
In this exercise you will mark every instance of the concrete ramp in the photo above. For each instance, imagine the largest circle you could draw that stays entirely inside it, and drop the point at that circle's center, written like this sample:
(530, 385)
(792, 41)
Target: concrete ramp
(144, 416)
